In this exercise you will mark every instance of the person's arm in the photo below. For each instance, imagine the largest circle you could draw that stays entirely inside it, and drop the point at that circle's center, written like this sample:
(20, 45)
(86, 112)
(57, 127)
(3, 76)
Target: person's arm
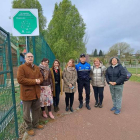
(50, 77)
(65, 79)
(107, 79)
(21, 78)
(75, 78)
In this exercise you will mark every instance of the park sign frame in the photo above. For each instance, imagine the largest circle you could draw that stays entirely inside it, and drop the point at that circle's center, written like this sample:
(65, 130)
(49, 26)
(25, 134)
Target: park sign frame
(25, 22)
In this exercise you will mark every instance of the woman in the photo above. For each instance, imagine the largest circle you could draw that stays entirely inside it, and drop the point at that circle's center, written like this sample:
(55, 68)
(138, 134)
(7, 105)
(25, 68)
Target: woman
(70, 78)
(98, 81)
(46, 98)
(57, 83)
(115, 76)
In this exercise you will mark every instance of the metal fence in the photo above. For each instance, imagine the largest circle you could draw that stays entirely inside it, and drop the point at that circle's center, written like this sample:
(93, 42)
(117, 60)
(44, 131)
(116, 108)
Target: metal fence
(11, 120)
(8, 116)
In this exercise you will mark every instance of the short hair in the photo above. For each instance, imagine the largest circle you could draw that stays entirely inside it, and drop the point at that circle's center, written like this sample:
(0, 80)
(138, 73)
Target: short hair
(96, 59)
(28, 53)
(45, 59)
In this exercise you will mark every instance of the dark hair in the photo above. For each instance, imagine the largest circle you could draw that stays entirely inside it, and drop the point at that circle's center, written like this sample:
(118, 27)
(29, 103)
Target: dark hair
(45, 59)
(54, 62)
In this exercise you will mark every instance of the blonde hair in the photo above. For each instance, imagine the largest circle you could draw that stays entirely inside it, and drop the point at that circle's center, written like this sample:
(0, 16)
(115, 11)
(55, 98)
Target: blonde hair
(73, 65)
(96, 59)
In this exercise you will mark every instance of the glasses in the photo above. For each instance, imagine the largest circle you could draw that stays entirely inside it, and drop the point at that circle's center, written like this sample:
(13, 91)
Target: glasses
(30, 56)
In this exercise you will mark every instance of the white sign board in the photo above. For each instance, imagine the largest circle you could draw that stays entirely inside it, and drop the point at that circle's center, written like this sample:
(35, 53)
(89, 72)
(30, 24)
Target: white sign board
(25, 22)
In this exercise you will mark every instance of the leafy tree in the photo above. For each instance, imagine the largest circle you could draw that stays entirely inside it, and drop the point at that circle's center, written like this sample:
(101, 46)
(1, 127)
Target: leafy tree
(138, 54)
(32, 4)
(66, 31)
(95, 53)
(123, 47)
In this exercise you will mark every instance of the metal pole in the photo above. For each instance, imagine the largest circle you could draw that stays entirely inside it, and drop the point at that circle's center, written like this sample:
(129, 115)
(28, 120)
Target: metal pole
(12, 84)
(34, 52)
(18, 55)
(27, 44)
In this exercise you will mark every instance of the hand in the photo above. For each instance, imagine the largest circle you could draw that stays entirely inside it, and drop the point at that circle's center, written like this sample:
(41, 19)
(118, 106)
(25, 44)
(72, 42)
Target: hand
(70, 85)
(114, 83)
(37, 81)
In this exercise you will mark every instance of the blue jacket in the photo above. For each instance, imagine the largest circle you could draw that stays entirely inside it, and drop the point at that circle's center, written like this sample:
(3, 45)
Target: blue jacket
(83, 71)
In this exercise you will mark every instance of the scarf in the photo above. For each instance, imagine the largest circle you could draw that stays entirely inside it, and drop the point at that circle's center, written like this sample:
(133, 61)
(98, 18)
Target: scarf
(56, 69)
(70, 69)
(46, 71)
(114, 65)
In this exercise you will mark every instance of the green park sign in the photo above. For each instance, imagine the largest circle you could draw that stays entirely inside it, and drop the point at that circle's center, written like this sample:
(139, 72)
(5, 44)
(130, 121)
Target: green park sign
(25, 22)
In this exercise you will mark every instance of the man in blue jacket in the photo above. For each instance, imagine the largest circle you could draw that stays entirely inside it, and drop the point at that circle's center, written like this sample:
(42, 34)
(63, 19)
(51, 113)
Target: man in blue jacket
(83, 72)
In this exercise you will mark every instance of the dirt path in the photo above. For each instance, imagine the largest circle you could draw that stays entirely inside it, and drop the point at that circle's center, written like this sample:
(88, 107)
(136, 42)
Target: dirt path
(98, 123)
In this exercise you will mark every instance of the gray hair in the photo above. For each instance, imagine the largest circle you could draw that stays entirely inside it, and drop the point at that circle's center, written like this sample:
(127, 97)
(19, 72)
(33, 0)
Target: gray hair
(28, 53)
(118, 60)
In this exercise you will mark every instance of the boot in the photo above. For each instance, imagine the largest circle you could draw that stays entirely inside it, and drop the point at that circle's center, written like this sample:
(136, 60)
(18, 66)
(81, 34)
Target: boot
(71, 109)
(67, 108)
(88, 107)
(55, 109)
(44, 114)
(31, 132)
(81, 105)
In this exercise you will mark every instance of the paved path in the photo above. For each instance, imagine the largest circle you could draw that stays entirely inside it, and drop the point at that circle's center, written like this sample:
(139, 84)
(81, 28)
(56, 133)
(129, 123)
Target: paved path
(98, 123)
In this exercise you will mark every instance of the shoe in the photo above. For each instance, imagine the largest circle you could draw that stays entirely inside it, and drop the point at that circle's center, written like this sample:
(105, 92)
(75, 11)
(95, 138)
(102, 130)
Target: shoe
(81, 105)
(51, 115)
(31, 132)
(96, 104)
(100, 105)
(88, 107)
(71, 109)
(39, 127)
(117, 111)
(44, 114)
(55, 109)
(113, 109)
(67, 108)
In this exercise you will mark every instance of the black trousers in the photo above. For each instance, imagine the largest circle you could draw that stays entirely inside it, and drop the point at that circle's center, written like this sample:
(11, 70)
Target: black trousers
(49, 108)
(84, 84)
(98, 94)
(69, 96)
(57, 93)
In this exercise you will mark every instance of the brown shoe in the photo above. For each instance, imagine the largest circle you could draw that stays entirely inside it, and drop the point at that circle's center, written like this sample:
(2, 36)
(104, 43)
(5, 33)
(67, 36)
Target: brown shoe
(31, 132)
(39, 127)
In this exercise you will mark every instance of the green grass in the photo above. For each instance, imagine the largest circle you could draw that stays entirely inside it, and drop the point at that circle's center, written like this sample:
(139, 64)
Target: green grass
(135, 78)
(133, 70)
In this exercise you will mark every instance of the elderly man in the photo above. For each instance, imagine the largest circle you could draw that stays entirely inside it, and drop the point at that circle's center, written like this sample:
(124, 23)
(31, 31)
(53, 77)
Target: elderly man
(29, 78)
(83, 71)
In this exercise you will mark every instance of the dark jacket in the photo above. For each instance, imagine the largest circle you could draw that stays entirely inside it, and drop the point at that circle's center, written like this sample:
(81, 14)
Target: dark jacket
(116, 74)
(48, 81)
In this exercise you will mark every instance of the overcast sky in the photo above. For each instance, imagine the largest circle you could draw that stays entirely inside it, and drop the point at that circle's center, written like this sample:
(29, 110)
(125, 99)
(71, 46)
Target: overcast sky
(107, 21)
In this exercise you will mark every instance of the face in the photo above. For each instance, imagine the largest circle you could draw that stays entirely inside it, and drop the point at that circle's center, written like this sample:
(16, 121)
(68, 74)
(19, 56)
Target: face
(56, 64)
(83, 59)
(29, 58)
(114, 61)
(45, 63)
(97, 63)
(70, 63)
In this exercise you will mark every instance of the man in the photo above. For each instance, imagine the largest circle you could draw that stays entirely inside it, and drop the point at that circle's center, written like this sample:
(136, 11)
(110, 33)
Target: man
(29, 78)
(83, 71)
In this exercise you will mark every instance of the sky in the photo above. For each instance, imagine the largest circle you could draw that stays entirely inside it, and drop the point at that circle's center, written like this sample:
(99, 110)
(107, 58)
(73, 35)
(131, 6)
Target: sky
(107, 21)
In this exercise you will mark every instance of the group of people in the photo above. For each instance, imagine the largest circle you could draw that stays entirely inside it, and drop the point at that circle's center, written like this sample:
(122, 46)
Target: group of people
(40, 86)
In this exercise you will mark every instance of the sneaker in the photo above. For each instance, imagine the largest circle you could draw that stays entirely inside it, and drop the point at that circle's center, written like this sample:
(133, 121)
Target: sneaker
(100, 105)
(71, 109)
(39, 127)
(113, 109)
(81, 105)
(67, 108)
(31, 132)
(88, 107)
(117, 111)
(96, 104)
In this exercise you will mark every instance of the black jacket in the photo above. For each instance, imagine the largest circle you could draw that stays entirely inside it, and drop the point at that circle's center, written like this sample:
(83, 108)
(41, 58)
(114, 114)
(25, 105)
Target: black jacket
(116, 74)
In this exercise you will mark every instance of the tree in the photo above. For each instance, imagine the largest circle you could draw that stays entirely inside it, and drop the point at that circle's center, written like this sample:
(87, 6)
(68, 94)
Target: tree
(66, 31)
(95, 53)
(138, 54)
(32, 4)
(100, 53)
(123, 47)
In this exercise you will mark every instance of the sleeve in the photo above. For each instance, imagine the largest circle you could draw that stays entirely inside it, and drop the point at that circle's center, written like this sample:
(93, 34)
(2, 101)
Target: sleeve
(107, 79)
(122, 76)
(25, 81)
(50, 77)
(64, 77)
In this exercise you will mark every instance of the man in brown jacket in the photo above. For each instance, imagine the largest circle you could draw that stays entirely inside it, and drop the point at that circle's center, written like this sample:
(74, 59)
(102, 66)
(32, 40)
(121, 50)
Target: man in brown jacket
(29, 78)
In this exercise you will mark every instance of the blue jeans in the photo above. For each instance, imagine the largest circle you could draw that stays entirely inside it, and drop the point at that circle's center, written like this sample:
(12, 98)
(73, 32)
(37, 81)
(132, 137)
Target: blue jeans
(116, 92)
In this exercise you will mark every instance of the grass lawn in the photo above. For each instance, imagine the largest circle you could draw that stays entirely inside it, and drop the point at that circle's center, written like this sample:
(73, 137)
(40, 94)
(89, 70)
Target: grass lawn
(135, 78)
(133, 70)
